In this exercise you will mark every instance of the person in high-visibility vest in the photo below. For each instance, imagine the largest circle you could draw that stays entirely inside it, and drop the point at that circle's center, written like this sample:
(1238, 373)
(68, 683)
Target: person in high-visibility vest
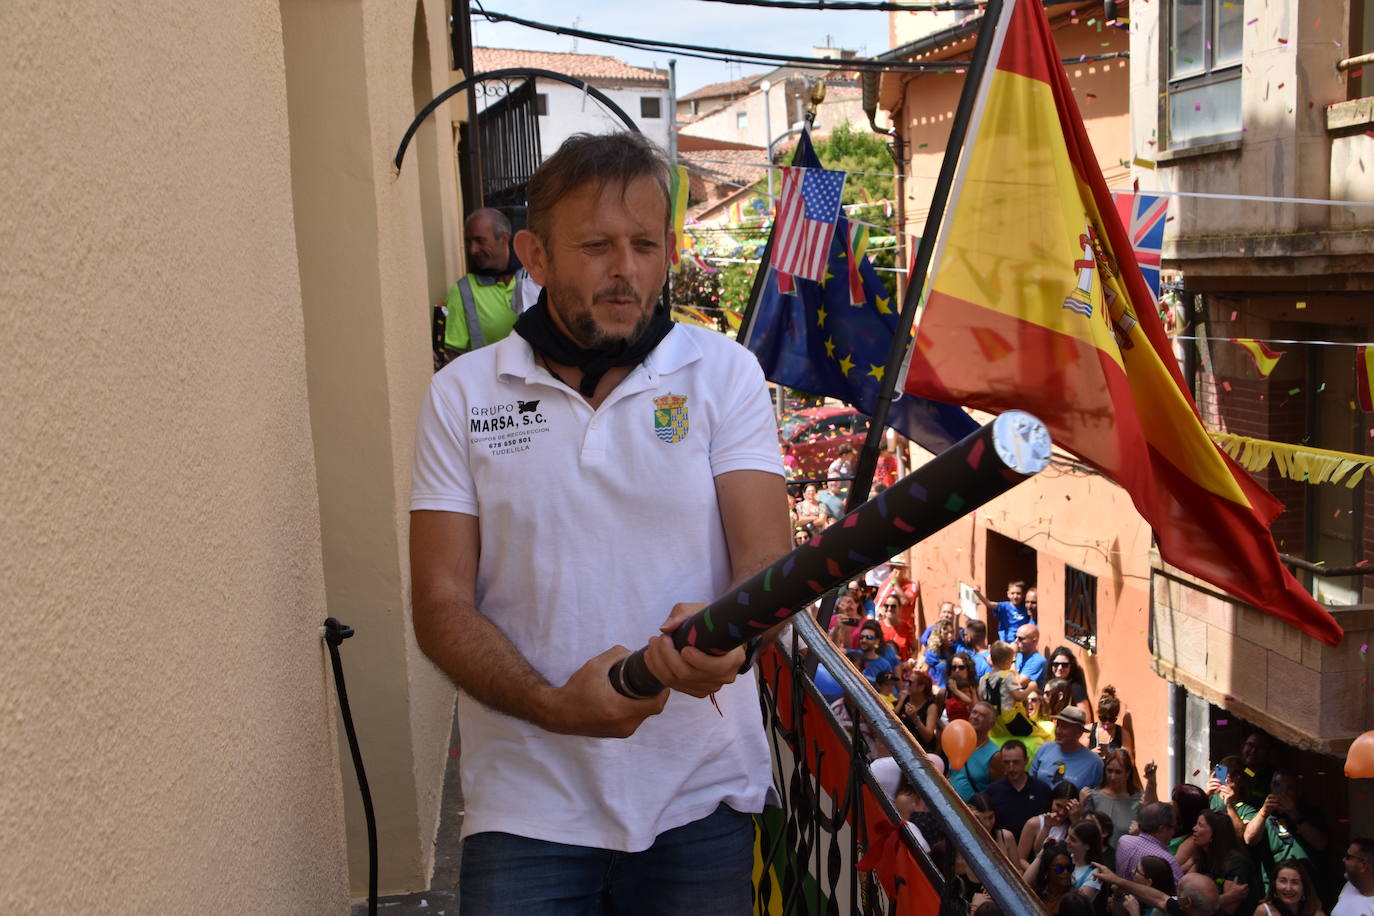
(483, 305)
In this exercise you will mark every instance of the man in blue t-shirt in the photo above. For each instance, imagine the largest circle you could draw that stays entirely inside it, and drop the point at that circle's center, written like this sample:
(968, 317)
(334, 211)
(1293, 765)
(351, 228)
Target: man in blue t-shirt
(1009, 614)
(1029, 661)
(1064, 757)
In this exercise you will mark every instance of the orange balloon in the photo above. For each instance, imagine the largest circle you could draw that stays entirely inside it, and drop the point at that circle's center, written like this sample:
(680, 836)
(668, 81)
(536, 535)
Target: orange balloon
(958, 741)
(1359, 760)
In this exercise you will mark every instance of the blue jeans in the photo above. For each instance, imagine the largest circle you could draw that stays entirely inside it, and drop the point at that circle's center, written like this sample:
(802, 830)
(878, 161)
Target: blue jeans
(705, 867)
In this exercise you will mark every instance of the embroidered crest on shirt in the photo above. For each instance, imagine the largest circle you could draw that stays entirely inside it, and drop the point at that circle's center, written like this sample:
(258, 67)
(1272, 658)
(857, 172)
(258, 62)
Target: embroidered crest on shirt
(670, 417)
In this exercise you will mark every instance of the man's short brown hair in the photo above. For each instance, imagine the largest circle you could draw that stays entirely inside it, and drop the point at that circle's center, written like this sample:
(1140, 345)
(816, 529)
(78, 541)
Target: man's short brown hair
(598, 159)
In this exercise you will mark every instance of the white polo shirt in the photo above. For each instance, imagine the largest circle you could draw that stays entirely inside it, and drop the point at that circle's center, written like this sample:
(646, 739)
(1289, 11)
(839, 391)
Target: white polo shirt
(593, 525)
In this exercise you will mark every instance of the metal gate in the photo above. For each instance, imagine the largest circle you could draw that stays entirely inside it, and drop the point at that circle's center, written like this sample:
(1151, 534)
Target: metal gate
(509, 132)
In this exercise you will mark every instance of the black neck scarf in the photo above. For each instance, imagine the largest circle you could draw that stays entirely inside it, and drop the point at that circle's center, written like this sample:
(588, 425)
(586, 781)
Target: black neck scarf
(511, 267)
(536, 325)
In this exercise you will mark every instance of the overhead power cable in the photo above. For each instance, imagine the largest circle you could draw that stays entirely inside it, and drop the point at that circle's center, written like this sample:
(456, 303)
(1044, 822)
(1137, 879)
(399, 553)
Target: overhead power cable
(915, 7)
(728, 54)
(761, 58)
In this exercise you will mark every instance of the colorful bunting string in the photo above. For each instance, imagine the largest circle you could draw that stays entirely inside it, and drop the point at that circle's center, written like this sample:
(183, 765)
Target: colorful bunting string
(1265, 358)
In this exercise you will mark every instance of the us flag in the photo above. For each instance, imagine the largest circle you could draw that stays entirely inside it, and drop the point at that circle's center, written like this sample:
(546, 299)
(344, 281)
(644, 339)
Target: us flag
(807, 209)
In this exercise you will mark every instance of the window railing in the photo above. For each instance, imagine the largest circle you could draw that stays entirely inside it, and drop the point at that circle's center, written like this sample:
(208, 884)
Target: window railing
(1080, 608)
(1353, 68)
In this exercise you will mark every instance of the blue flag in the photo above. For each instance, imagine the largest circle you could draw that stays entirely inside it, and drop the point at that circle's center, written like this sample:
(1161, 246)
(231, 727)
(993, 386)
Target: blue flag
(813, 339)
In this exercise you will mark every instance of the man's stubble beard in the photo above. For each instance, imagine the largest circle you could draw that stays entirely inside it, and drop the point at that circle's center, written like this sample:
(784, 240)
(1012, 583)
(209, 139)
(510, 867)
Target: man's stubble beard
(581, 324)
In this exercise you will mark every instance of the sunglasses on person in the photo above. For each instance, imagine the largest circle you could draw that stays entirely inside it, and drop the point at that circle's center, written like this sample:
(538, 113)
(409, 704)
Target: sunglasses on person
(891, 604)
(1060, 869)
(958, 667)
(1060, 665)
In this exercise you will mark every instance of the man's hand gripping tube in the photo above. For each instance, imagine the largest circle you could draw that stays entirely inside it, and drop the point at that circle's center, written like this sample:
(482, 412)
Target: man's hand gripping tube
(969, 474)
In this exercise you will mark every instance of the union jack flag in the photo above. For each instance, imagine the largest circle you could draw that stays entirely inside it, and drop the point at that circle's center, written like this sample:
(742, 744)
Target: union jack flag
(808, 207)
(1144, 215)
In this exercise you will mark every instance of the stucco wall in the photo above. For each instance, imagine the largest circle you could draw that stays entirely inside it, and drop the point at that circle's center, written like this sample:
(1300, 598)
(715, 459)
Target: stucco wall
(166, 721)
(368, 275)
(1288, 80)
(724, 124)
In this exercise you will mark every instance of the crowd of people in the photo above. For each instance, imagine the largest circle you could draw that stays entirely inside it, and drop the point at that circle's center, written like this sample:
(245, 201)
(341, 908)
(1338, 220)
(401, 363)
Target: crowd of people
(1054, 778)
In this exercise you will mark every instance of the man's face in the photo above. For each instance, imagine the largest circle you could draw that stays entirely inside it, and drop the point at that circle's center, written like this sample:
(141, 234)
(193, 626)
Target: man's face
(487, 249)
(1356, 864)
(888, 612)
(1255, 750)
(1013, 762)
(834, 486)
(1027, 639)
(1032, 603)
(869, 639)
(947, 611)
(605, 261)
(1067, 733)
(1015, 594)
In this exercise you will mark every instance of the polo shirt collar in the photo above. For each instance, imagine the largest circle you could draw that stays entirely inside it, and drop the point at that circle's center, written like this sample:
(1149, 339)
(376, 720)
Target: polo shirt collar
(515, 357)
(674, 352)
(483, 280)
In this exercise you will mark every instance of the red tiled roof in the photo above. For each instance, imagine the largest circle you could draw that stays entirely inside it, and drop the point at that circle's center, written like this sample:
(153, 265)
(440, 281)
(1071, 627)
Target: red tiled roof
(687, 143)
(722, 90)
(718, 173)
(590, 67)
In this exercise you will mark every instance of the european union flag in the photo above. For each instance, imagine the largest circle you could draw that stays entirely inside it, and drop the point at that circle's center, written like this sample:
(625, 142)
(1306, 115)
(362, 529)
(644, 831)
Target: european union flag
(813, 339)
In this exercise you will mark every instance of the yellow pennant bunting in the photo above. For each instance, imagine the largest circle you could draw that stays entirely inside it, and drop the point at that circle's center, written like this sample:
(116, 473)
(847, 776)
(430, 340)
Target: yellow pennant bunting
(1296, 462)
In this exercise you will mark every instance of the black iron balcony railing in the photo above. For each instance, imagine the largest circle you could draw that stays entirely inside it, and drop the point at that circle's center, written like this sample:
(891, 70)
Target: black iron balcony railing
(839, 845)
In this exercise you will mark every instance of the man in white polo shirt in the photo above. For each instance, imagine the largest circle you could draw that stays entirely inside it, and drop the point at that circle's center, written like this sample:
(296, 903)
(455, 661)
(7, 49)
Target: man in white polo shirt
(579, 487)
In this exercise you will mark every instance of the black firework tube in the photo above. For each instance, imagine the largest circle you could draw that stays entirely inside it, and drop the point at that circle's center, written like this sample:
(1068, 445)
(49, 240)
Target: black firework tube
(967, 475)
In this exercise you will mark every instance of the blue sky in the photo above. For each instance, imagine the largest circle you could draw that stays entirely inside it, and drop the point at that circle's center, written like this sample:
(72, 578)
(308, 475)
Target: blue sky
(688, 21)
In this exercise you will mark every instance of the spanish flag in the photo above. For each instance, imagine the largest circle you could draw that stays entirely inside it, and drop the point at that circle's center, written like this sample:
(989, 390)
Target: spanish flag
(1033, 258)
(1364, 377)
(1265, 358)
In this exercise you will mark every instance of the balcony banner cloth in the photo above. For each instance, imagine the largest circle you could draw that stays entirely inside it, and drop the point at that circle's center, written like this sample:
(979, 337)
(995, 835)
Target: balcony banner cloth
(1035, 301)
(815, 339)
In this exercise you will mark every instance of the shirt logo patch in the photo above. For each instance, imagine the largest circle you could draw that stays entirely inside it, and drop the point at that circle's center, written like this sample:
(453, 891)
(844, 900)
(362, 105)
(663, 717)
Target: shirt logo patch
(504, 429)
(670, 418)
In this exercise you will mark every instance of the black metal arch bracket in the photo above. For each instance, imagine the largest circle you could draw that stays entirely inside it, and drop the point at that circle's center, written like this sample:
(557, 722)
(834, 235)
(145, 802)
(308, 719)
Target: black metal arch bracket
(505, 74)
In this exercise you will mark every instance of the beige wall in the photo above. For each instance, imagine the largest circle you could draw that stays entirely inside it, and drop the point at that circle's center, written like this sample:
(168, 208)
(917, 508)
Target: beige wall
(167, 734)
(723, 124)
(215, 315)
(368, 274)
(1286, 148)
(904, 27)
